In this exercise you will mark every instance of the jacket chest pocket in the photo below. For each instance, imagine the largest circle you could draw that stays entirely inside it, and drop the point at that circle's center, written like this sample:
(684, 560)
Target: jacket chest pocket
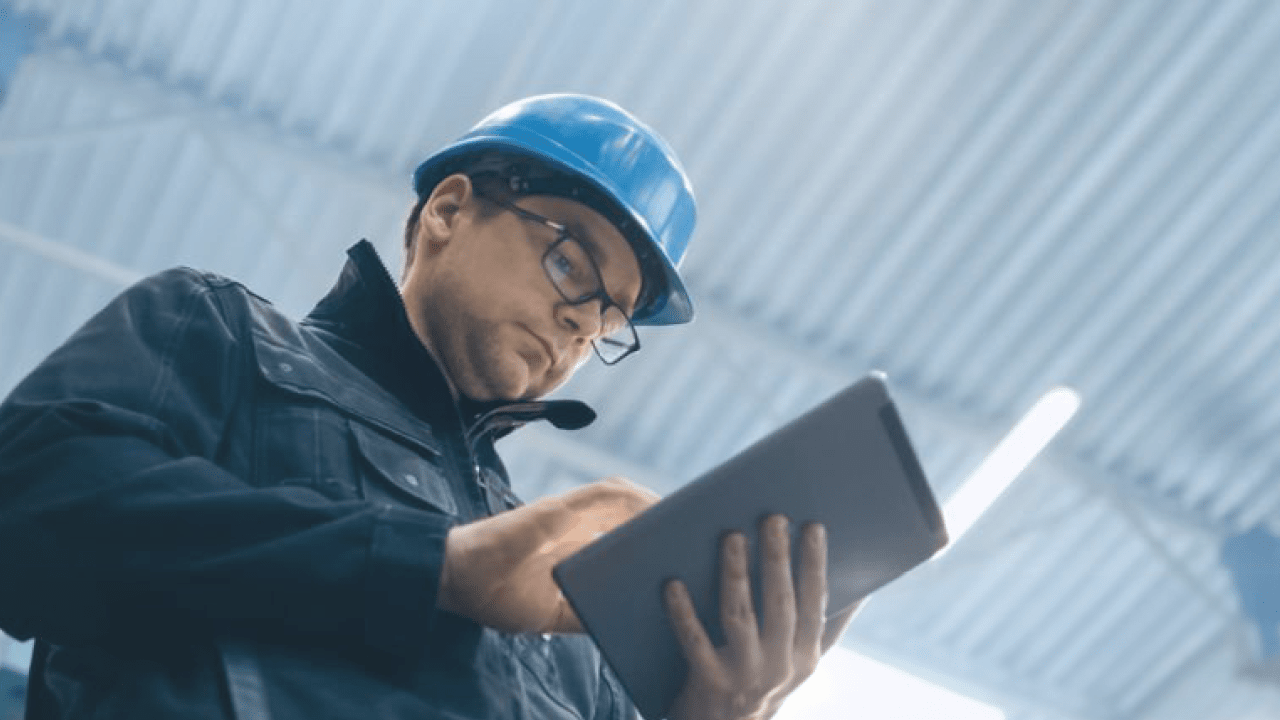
(319, 448)
(305, 446)
(392, 472)
(319, 424)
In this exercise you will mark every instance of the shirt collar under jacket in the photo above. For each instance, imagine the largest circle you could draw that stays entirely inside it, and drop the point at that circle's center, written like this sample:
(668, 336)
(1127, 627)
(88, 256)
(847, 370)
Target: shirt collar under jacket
(365, 313)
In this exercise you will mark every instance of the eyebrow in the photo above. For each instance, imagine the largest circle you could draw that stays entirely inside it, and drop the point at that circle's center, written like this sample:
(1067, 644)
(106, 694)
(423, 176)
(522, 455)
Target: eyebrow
(578, 231)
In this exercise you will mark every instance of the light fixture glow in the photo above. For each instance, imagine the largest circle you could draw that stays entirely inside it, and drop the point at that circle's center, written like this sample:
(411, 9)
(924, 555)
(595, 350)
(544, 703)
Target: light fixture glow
(1010, 457)
(847, 685)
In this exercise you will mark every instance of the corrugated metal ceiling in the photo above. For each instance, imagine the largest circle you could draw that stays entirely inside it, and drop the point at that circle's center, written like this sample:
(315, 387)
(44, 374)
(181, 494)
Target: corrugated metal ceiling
(984, 198)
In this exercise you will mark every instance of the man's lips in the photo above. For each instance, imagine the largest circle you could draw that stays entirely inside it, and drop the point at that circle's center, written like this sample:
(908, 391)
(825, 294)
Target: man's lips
(550, 354)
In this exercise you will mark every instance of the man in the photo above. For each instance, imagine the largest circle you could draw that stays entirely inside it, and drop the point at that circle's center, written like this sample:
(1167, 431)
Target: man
(217, 512)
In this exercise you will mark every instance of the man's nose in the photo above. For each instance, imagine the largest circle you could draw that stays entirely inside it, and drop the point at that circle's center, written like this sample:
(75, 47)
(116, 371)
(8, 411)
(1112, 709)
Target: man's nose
(584, 319)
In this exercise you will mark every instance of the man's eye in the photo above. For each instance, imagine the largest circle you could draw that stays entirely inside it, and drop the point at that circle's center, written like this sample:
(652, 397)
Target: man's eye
(563, 264)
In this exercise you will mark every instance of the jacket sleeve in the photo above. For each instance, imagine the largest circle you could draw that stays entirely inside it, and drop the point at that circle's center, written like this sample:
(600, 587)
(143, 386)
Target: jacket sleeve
(115, 523)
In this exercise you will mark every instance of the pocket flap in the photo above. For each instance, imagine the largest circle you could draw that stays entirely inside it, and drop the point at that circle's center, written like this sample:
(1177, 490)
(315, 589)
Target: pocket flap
(324, 376)
(404, 469)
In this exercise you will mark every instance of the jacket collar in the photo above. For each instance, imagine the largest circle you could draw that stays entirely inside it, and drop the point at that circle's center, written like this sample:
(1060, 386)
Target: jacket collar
(365, 312)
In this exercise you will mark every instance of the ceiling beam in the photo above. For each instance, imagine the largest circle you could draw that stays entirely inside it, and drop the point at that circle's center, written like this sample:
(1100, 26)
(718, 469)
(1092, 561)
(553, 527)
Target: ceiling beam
(68, 256)
(90, 131)
(1195, 670)
(164, 101)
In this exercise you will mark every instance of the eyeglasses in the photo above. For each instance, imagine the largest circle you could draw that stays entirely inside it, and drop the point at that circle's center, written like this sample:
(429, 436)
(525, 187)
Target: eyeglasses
(576, 276)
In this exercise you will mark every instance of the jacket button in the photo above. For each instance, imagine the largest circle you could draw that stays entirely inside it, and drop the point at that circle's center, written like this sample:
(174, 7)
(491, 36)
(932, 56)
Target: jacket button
(286, 367)
(409, 478)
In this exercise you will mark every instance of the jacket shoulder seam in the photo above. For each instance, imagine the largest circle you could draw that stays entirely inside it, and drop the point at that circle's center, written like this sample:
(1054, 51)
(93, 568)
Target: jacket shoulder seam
(205, 286)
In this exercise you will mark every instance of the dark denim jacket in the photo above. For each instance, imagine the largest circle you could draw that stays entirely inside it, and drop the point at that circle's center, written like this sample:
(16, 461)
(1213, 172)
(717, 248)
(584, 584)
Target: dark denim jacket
(217, 512)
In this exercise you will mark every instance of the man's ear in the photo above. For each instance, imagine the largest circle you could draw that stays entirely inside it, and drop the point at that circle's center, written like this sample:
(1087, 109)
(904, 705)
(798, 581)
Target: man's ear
(440, 213)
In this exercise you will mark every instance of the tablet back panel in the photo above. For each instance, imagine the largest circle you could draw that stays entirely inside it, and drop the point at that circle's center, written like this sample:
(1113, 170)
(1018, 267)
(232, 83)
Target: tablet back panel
(847, 464)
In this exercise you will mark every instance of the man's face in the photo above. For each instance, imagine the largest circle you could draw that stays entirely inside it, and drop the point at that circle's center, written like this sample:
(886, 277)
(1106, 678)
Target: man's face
(478, 297)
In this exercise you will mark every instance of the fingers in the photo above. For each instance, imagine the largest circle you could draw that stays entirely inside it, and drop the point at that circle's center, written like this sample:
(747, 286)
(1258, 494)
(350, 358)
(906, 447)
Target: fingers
(607, 503)
(812, 593)
(614, 489)
(497, 570)
(697, 647)
(643, 494)
(561, 524)
(761, 663)
(737, 613)
(777, 586)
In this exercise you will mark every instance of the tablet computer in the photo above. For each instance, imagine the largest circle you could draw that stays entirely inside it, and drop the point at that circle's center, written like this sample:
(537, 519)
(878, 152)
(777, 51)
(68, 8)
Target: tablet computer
(847, 463)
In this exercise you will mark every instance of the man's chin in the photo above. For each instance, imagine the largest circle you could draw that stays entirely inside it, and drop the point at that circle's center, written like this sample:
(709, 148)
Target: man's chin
(511, 386)
(488, 394)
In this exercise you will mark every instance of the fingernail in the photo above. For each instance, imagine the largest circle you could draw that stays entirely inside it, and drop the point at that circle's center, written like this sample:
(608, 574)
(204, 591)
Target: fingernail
(819, 534)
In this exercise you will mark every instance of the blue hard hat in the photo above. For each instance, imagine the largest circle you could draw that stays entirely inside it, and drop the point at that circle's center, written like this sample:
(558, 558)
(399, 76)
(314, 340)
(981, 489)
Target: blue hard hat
(619, 156)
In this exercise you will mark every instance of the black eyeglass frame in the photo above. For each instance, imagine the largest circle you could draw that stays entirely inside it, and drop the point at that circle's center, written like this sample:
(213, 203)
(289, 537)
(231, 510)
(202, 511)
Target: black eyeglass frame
(601, 292)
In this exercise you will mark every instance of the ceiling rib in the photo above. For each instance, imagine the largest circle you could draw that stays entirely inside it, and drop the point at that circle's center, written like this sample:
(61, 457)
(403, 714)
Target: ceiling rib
(1122, 642)
(91, 131)
(68, 256)
(983, 684)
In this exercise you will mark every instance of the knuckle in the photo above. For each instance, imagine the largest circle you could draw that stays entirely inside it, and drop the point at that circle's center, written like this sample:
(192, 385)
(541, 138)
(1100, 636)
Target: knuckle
(784, 598)
(739, 610)
(691, 629)
(684, 624)
(720, 684)
(686, 620)
(811, 563)
(778, 552)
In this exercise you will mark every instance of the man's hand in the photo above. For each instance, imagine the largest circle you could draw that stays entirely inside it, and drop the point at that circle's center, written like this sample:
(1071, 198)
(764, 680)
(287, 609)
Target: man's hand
(763, 659)
(497, 571)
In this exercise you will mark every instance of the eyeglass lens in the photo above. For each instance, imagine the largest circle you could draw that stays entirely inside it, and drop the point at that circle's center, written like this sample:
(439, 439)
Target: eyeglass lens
(575, 276)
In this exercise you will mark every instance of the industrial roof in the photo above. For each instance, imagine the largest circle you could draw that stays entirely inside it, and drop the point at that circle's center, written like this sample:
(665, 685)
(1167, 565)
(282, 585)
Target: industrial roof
(984, 199)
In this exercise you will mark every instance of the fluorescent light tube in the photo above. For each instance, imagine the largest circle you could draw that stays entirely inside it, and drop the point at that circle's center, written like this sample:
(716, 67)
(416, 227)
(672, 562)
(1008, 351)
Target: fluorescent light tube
(847, 684)
(1009, 458)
